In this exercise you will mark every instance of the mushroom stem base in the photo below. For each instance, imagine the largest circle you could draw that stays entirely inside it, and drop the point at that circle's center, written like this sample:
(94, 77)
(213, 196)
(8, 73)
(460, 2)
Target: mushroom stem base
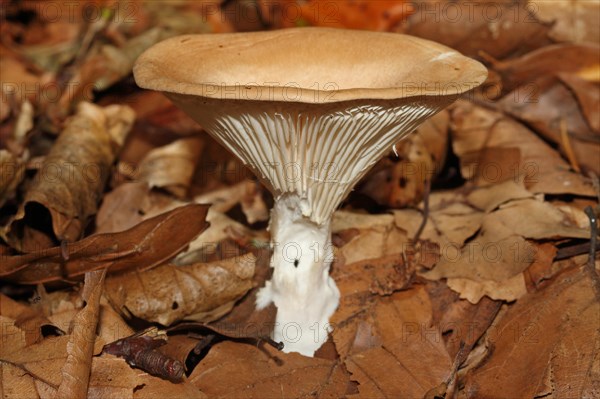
(300, 287)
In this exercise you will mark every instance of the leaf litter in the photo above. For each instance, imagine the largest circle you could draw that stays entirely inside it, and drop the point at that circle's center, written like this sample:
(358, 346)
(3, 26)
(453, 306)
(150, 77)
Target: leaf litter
(462, 257)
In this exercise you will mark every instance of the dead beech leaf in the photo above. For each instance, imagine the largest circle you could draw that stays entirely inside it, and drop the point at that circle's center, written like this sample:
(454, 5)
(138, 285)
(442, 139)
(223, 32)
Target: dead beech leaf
(580, 59)
(555, 327)
(572, 21)
(494, 148)
(169, 293)
(172, 167)
(120, 209)
(71, 180)
(460, 322)
(538, 220)
(553, 104)
(388, 344)
(221, 228)
(12, 172)
(377, 236)
(142, 247)
(588, 96)
(76, 370)
(113, 378)
(26, 318)
(492, 263)
(471, 28)
(266, 374)
(16, 383)
(44, 360)
(488, 198)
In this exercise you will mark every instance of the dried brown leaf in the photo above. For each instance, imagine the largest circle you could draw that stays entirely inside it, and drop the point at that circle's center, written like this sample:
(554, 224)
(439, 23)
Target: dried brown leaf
(556, 327)
(461, 322)
(580, 59)
(389, 343)
(144, 246)
(71, 180)
(488, 198)
(172, 167)
(492, 263)
(113, 378)
(12, 172)
(45, 359)
(76, 370)
(171, 293)
(499, 29)
(567, 102)
(266, 373)
(494, 148)
(572, 21)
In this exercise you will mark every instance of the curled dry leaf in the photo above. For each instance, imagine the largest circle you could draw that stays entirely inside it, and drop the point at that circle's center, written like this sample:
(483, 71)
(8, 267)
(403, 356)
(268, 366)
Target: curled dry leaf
(70, 182)
(267, 373)
(76, 370)
(144, 246)
(556, 328)
(472, 27)
(579, 59)
(172, 167)
(169, 293)
(494, 148)
(12, 172)
(564, 110)
(572, 21)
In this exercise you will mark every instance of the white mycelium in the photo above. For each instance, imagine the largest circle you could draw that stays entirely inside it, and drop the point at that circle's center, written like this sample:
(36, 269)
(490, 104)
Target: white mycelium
(309, 156)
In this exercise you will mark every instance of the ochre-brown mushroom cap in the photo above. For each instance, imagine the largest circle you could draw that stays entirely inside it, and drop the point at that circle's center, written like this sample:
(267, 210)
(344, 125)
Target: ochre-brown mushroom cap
(306, 65)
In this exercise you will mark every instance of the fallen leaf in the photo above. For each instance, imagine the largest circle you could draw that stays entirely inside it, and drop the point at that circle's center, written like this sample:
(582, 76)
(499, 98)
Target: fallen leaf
(384, 340)
(572, 21)
(71, 180)
(555, 327)
(494, 149)
(500, 29)
(378, 236)
(461, 323)
(169, 293)
(492, 263)
(12, 172)
(76, 370)
(551, 105)
(488, 198)
(113, 377)
(579, 59)
(266, 373)
(142, 247)
(171, 167)
(43, 360)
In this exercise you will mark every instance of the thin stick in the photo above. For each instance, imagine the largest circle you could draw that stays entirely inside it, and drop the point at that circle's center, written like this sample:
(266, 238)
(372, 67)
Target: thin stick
(425, 210)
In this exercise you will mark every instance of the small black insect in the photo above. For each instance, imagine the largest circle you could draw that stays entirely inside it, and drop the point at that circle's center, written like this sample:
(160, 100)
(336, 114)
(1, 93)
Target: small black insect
(296, 262)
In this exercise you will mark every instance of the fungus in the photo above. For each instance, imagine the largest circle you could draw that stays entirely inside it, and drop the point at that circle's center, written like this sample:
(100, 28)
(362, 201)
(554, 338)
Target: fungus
(309, 111)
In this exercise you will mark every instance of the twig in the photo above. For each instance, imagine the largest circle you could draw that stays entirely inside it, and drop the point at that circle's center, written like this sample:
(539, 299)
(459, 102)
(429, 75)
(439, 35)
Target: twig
(573, 250)
(591, 263)
(425, 210)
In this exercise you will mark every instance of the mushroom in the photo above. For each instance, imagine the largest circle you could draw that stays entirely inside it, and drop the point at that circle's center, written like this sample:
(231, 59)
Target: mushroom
(309, 111)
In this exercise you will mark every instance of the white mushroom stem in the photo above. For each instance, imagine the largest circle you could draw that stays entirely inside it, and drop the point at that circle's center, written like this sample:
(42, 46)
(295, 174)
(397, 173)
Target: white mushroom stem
(301, 288)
